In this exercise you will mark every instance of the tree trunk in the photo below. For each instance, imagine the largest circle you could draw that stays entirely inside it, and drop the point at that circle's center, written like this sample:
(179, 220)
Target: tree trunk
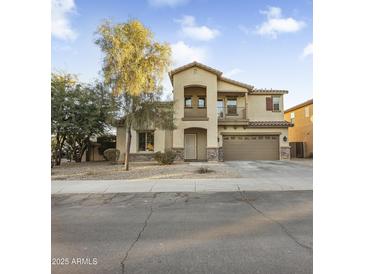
(59, 156)
(129, 138)
(84, 145)
(57, 149)
(60, 142)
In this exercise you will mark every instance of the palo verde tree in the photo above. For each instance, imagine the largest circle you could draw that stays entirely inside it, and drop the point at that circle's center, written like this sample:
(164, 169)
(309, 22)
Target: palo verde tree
(133, 66)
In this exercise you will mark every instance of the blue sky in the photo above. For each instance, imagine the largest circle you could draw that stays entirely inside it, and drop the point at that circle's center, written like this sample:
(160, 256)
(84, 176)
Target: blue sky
(267, 44)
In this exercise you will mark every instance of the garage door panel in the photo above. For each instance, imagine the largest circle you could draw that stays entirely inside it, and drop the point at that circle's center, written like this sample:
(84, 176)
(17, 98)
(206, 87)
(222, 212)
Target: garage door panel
(257, 147)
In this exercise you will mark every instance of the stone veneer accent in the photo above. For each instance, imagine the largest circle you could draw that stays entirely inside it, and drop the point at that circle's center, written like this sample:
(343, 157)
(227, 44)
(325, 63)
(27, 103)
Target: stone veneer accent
(220, 154)
(141, 157)
(284, 153)
(179, 154)
(212, 154)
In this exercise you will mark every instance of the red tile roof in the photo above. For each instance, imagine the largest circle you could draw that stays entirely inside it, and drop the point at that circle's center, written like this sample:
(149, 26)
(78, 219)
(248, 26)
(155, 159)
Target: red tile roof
(277, 124)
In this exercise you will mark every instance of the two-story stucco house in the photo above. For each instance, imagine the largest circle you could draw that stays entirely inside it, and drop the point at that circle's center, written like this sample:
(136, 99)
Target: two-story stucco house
(217, 119)
(301, 134)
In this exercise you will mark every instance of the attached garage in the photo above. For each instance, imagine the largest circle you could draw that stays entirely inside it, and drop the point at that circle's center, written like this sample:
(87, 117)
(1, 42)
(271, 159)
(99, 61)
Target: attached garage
(250, 147)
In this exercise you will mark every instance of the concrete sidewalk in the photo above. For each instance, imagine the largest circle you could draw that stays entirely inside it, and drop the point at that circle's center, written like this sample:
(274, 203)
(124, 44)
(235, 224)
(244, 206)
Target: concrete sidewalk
(182, 185)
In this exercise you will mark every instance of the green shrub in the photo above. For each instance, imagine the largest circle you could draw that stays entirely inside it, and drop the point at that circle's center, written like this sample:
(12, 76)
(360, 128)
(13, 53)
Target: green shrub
(203, 170)
(112, 154)
(166, 158)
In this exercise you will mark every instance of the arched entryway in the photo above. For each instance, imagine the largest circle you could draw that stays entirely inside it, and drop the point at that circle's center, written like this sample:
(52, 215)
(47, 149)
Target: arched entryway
(195, 144)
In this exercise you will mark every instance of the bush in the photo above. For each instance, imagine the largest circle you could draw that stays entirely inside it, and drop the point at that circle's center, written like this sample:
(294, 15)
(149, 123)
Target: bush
(166, 158)
(203, 170)
(112, 154)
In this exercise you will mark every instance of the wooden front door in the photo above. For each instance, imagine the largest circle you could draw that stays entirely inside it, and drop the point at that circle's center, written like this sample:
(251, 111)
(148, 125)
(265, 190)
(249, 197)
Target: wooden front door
(190, 147)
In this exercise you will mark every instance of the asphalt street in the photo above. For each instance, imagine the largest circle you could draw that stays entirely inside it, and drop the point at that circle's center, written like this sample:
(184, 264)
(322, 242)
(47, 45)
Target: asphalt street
(222, 232)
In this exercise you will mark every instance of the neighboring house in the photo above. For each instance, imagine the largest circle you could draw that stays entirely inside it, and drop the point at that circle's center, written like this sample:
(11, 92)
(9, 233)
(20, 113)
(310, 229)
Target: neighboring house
(301, 134)
(216, 119)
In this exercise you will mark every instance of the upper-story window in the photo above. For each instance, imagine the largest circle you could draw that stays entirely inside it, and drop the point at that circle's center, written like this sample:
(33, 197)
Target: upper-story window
(188, 102)
(276, 103)
(231, 106)
(201, 102)
(292, 117)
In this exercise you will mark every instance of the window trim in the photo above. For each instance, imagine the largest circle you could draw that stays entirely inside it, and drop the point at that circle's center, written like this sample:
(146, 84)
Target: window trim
(273, 104)
(205, 101)
(235, 106)
(191, 101)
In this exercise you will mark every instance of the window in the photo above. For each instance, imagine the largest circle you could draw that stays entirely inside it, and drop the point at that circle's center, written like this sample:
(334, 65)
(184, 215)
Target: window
(220, 108)
(232, 106)
(145, 141)
(306, 111)
(188, 102)
(201, 102)
(292, 117)
(276, 103)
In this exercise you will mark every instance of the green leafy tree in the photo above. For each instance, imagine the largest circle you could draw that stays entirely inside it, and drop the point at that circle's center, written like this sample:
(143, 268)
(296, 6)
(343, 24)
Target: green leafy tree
(62, 87)
(93, 113)
(133, 66)
(79, 112)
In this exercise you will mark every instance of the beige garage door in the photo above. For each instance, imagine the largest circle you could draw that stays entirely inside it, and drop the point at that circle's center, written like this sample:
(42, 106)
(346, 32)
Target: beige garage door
(251, 147)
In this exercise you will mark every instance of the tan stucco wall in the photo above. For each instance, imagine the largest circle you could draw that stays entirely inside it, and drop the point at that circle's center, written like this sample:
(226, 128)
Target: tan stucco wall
(199, 77)
(257, 109)
(224, 86)
(159, 140)
(121, 140)
(303, 128)
(168, 139)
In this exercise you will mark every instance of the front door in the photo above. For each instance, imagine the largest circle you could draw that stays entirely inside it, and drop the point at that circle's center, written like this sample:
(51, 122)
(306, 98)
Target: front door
(190, 147)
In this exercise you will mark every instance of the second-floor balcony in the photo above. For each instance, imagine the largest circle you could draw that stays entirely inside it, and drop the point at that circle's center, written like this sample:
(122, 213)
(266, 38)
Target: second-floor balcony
(231, 115)
(195, 113)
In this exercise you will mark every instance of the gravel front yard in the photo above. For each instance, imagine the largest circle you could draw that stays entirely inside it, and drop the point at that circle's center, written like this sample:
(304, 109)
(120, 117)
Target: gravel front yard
(140, 170)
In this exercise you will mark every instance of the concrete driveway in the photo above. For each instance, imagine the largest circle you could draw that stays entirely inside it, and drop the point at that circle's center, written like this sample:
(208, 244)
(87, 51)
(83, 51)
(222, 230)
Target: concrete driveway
(273, 169)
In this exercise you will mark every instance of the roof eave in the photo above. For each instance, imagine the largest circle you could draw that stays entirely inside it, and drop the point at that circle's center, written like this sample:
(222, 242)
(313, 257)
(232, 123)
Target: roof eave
(269, 92)
(306, 103)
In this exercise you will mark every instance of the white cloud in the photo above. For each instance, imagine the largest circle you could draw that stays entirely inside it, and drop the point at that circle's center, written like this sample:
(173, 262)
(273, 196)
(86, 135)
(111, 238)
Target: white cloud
(233, 72)
(191, 30)
(275, 23)
(307, 51)
(183, 54)
(169, 3)
(61, 26)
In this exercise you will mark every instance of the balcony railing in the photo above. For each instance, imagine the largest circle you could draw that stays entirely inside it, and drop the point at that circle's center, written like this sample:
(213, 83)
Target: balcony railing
(195, 112)
(231, 113)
